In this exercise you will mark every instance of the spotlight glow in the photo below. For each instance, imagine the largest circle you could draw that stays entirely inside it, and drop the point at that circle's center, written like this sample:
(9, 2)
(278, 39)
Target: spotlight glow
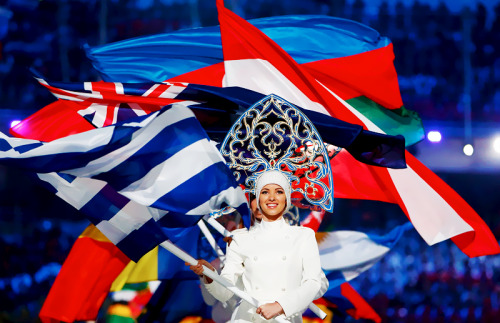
(468, 150)
(434, 136)
(14, 123)
(496, 144)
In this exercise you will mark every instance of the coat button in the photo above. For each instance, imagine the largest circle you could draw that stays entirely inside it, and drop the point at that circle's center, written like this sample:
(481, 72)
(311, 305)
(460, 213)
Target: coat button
(287, 237)
(284, 257)
(283, 289)
(255, 258)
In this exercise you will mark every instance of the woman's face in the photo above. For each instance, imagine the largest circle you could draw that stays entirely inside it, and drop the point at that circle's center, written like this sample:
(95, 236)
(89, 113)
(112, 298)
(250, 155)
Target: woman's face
(272, 200)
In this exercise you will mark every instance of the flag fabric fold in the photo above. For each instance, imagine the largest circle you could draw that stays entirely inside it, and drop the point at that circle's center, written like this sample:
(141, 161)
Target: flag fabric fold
(162, 162)
(102, 104)
(252, 60)
(344, 255)
(311, 40)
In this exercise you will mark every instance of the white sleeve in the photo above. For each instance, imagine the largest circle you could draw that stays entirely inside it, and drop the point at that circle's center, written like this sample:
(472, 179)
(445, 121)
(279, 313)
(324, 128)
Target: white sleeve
(313, 278)
(207, 297)
(233, 268)
(324, 285)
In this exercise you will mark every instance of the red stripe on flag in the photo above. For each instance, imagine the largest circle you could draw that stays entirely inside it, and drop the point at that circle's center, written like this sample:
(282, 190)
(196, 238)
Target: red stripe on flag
(211, 75)
(481, 241)
(371, 74)
(242, 41)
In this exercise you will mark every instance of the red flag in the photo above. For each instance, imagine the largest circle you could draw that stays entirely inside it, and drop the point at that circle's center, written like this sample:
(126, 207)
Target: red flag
(252, 60)
(83, 283)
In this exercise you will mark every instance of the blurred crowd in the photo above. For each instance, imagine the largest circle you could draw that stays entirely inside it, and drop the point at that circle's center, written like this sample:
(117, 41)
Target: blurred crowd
(419, 283)
(443, 64)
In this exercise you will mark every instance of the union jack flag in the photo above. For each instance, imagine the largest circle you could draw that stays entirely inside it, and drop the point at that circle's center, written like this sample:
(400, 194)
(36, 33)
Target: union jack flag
(106, 103)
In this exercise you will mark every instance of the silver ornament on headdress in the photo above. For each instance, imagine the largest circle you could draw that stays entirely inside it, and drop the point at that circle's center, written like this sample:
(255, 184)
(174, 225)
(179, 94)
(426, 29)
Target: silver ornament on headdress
(275, 135)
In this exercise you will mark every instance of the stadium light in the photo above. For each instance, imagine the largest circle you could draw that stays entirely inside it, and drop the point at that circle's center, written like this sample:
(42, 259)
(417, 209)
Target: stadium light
(434, 136)
(468, 150)
(496, 144)
(14, 123)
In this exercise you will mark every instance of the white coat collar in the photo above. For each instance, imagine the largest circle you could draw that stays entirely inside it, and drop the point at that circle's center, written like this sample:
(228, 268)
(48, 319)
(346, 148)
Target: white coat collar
(272, 226)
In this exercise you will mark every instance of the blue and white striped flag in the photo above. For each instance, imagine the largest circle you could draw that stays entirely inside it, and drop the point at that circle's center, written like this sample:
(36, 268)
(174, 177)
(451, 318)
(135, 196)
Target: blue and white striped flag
(134, 175)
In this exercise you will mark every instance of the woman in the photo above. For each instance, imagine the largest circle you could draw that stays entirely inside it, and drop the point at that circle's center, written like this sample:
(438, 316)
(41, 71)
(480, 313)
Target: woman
(278, 264)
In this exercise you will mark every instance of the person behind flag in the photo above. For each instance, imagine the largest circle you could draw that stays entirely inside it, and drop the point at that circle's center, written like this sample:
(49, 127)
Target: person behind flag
(279, 264)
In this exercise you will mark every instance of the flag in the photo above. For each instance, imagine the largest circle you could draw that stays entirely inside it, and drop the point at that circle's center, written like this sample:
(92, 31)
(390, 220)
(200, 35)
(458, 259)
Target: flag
(345, 300)
(76, 294)
(160, 264)
(340, 259)
(344, 255)
(311, 40)
(56, 120)
(252, 60)
(214, 107)
(184, 176)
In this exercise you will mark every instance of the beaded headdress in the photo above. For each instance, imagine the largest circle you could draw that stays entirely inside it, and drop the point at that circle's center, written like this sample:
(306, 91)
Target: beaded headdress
(273, 134)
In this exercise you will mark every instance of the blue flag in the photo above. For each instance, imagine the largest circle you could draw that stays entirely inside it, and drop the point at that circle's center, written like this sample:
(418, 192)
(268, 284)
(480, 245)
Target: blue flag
(132, 177)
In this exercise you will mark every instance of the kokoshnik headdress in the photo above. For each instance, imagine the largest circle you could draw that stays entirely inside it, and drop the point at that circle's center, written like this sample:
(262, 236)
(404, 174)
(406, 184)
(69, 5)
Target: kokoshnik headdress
(273, 134)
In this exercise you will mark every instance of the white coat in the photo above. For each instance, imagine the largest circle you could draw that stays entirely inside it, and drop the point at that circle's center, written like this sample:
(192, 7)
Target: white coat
(276, 262)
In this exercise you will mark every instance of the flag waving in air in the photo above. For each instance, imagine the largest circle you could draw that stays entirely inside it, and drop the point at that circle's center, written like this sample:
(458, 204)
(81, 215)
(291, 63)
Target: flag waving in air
(157, 169)
(195, 56)
(254, 61)
(101, 104)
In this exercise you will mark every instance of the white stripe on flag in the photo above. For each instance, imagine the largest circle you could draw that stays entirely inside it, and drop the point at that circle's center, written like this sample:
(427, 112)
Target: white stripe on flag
(137, 109)
(80, 142)
(235, 195)
(151, 89)
(81, 190)
(77, 193)
(254, 69)
(184, 164)
(100, 110)
(433, 218)
(172, 91)
(131, 217)
(119, 88)
(16, 142)
(341, 250)
(143, 136)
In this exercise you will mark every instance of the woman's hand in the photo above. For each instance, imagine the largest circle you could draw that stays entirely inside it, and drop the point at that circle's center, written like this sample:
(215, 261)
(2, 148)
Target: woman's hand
(198, 269)
(270, 310)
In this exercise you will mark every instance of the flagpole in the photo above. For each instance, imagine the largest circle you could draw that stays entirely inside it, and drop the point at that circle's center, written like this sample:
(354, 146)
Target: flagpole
(211, 241)
(217, 226)
(222, 230)
(214, 276)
